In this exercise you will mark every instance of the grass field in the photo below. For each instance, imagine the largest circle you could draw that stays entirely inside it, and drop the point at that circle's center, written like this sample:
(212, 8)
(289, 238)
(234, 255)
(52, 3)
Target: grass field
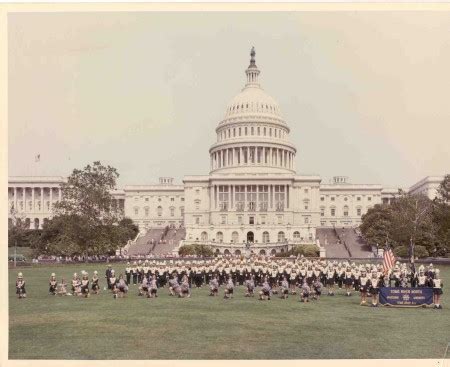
(202, 327)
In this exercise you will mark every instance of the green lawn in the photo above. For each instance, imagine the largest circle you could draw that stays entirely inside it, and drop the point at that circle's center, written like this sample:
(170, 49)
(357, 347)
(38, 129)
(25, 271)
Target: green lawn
(202, 327)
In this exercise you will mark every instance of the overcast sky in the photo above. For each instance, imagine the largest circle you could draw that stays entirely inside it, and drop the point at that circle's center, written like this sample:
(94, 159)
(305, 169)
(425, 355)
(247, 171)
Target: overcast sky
(366, 94)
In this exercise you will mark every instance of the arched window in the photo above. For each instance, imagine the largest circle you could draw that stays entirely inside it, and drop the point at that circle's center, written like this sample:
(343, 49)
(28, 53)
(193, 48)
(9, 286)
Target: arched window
(262, 252)
(172, 211)
(159, 211)
(136, 211)
(226, 252)
(197, 204)
(219, 237)
(273, 252)
(235, 237)
(146, 211)
(281, 237)
(182, 210)
(204, 236)
(237, 252)
(265, 237)
(296, 235)
(345, 211)
(36, 223)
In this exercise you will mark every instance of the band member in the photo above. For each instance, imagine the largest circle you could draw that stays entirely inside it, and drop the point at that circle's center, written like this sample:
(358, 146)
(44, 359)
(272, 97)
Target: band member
(134, 272)
(331, 275)
(53, 285)
(214, 286)
(229, 288)
(113, 283)
(422, 280)
(128, 272)
(84, 284)
(317, 288)
(143, 288)
(122, 287)
(363, 286)
(266, 291)
(293, 280)
(108, 275)
(374, 286)
(250, 286)
(348, 281)
(20, 286)
(305, 291)
(284, 289)
(95, 285)
(185, 290)
(437, 289)
(153, 287)
(174, 286)
(76, 290)
(62, 288)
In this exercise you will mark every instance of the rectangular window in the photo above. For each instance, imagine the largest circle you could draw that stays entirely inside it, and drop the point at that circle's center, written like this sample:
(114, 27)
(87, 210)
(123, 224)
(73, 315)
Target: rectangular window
(172, 199)
(280, 219)
(136, 211)
(251, 220)
(332, 198)
(146, 212)
(358, 211)
(333, 212)
(279, 197)
(223, 197)
(239, 219)
(358, 198)
(306, 191)
(306, 220)
(239, 197)
(322, 212)
(263, 219)
(197, 220)
(263, 197)
(251, 197)
(369, 198)
(322, 198)
(224, 219)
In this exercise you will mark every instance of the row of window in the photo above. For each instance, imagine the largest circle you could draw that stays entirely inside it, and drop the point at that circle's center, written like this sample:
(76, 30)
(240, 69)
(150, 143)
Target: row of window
(358, 198)
(345, 211)
(249, 131)
(147, 199)
(37, 206)
(281, 237)
(159, 211)
(260, 107)
(252, 220)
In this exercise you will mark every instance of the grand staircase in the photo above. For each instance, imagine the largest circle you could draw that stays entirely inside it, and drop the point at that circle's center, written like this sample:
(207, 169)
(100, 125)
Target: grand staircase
(356, 245)
(157, 241)
(329, 240)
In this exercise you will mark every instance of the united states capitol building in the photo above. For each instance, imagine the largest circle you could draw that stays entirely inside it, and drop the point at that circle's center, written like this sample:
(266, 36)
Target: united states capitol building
(252, 193)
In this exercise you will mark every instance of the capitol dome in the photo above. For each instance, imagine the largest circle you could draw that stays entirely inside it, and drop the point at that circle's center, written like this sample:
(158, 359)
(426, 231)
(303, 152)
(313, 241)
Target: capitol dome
(253, 136)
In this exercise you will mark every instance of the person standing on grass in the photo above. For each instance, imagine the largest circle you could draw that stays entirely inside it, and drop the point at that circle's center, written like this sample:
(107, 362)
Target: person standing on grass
(153, 288)
(121, 286)
(284, 289)
(305, 292)
(134, 272)
(422, 280)
(348, 281)
(214, 286)
(185, 290)
(437, 289)
(293, 280)
(108, 275)
(374, 287)
(363, 286)
(20, 286)
(84, 286)
(174, 286)
(317, 289)
(331, 277)
(128, 272)
(53, 285)
(95, 285)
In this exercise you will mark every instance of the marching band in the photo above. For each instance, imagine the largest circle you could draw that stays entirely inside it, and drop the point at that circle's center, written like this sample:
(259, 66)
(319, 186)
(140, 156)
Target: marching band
(274, 276)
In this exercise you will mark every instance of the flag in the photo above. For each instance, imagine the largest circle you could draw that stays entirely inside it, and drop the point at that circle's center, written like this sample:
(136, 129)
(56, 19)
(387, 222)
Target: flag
(388, 260)
(37, 158)
(411, 250)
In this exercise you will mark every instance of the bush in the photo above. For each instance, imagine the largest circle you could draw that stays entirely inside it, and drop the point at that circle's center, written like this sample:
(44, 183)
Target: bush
(401, 251)
(198, 250)
(305, 250)
(420, 251)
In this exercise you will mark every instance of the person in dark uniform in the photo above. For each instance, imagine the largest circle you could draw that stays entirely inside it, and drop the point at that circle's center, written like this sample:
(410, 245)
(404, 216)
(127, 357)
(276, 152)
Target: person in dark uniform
(95, 286)
(108, 275)
(437, 289)
(128, 272)
(348, 281)
(229, 288)
(20, 286)
(53, 284)
(331, 278)
(134, 272)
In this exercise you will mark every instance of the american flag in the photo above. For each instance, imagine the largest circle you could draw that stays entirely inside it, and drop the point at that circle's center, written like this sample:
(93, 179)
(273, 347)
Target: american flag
(388, 260)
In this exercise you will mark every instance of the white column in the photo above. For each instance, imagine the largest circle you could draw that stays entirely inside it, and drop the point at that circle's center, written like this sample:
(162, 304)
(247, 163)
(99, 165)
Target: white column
(42, 199)
(240, 156)
(32, 199)
(51, 198)
(234, 157)
(15, 198)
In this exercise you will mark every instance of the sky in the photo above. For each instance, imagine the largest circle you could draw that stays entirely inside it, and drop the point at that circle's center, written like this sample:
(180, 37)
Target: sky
(366, 94)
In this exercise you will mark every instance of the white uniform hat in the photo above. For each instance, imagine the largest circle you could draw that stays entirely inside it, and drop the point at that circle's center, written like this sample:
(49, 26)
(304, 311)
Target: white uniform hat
(95, 272)
(20, 275)
(75, 274)
(53, 274)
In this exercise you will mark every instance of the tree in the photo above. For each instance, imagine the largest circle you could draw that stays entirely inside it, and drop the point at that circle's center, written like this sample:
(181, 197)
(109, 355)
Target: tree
(444, 190)
(441, 218)
(376, 226)
(86, 211)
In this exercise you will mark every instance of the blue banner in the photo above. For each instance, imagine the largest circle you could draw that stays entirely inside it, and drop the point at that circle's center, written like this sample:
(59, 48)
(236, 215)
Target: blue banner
(406, 297)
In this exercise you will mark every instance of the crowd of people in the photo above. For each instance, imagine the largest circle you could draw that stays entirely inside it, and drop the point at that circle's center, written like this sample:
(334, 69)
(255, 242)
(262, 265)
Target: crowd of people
(283, 277)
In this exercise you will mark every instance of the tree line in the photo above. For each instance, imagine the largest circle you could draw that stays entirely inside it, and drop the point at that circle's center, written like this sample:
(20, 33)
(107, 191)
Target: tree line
(411, 221)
